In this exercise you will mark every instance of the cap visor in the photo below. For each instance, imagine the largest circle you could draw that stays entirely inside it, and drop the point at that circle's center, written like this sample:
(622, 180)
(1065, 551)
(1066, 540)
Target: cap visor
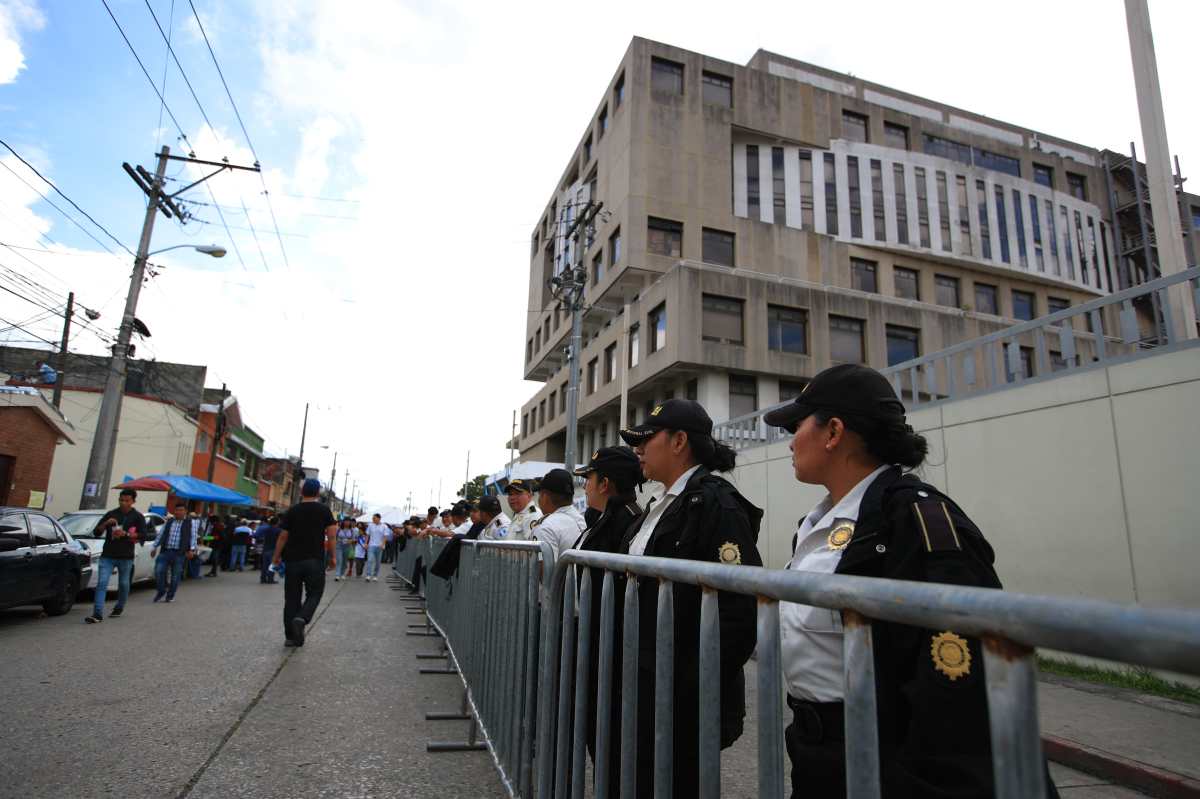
(788, 417)
(583, 471)
(636, 435)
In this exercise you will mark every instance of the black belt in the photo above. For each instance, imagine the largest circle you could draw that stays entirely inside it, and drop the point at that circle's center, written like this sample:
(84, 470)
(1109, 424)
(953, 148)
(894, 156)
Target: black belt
(818, 722)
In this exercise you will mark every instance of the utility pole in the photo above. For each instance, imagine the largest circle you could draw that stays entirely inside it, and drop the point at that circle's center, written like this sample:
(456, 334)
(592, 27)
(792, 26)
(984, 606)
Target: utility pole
(467, 479)
(62, 350)
(1164, 207)
(332, 476)
(300, 461)
(511, 441)
(345, 483)
(218, 437)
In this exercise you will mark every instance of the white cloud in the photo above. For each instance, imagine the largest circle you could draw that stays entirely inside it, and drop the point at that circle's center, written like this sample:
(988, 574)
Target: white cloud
(16, 17)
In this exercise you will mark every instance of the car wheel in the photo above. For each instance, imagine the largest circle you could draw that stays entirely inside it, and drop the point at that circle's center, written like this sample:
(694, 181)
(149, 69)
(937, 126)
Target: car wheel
(65, 598)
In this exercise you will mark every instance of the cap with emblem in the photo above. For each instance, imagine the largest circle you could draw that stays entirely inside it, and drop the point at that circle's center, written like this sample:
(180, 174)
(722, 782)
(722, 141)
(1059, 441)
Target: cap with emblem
(612, 461)
(559, 481)
(673, 414)
(489, 504)
(850, 390)
(518, 485)
(461, 508)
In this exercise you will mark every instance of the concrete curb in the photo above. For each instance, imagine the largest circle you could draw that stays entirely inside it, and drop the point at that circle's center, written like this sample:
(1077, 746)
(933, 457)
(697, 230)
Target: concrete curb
(1121, 770)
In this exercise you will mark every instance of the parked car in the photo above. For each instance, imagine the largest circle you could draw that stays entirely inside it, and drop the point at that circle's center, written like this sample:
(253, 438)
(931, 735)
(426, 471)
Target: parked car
(40, 563)
(82, 525)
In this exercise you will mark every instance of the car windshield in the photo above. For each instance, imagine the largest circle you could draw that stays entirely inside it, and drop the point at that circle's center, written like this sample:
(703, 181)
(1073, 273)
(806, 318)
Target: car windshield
(80, 525)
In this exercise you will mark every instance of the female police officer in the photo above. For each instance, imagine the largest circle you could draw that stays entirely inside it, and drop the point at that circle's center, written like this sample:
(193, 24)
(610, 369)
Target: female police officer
(850, 436)
(701, 516)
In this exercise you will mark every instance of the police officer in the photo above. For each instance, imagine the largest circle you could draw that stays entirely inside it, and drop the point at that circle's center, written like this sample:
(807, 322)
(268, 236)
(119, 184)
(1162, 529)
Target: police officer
(496, 523)
(700, 516)
(562, 525)
(850, 436)
(525, 513)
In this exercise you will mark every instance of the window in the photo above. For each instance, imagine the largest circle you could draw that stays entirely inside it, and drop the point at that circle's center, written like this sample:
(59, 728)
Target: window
(1002, 225)
(524, 425)
(831, 203)
(806, 190)
(1083, 271)
(614, 247)
(862, 275)
(619, 92)
(542, 414)
(787, 329)
(790, 389)
(562, 399)
(854, 127)
(777, 183)
(43, 529)
(985, 233)
(1026, 356)
(12, 528)
(1056, 304)
(852, 180)
(1066, 245)
(592, 370)
(557, 318)
(943, 210)
(743, 395)
(895, 135)
(716, 247)
(947, 290)
(202, 440)
(1035, 222)
(716, 89)
(664, 237)
(1077, 186)
(1043, 175)
(922, 205)
(666, 76)
(587, 151)
(1023, 305)
(877, 200)
(721, 319)
(635, 343)
(537, 340)
(846, 339)
(1196, 216)
(964, 215)
(903, 344)
(997, 162)
(945, 148)
(1053, 228)
(536, 240)
(602, 123)
(657, 322)
(610, 363)
(752, 201)
(553, 404)
(986, 299)
(901, 203)
(598, 268)
(692, 389)
(908, 283)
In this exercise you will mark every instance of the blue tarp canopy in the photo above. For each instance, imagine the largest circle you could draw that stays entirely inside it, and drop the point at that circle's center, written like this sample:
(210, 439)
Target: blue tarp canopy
(202, 490)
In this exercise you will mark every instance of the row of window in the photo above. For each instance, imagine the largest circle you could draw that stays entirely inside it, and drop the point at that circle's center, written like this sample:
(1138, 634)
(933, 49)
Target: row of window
(666, 78)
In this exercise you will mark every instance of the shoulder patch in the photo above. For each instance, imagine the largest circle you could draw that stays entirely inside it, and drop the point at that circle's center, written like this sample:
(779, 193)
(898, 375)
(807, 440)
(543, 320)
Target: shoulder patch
(937, 528)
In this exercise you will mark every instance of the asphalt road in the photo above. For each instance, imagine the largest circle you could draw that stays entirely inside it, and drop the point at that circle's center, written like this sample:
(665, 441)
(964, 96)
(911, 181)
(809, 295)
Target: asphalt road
(200, 699)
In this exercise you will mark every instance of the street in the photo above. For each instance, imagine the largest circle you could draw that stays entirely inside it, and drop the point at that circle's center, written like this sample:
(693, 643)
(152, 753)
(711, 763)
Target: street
(199, 698)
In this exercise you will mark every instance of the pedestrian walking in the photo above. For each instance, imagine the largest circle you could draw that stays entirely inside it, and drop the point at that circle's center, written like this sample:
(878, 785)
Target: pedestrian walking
(495, 522)
(241, 541)
(378, 535)
(217, 536)
(121, 528)
(562, 524)
(174, 545)
(360, 550)
(699, 516)
(850, 435)
(305, 546)
(268, 536)
(525, 513)
(344, 563)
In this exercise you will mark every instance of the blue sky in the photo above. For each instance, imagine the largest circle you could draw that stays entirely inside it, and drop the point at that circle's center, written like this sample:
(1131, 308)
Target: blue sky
(447, 125)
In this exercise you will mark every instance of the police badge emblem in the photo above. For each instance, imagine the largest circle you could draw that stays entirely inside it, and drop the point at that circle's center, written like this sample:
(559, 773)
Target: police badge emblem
(950, 655)
(840, 536)
(729, 554)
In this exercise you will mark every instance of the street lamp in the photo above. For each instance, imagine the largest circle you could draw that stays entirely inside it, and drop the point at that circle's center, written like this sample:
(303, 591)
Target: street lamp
(332, 473)
(215, 250)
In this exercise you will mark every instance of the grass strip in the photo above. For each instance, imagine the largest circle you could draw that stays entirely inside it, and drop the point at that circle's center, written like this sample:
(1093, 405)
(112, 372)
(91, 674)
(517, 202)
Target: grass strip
(1134, 678)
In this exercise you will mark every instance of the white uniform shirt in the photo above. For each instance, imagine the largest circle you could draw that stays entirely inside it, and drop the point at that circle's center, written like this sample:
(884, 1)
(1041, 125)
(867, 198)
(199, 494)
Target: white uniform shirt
(521, 526)
(496, 530)
(463, 528)
(638, 545)
(378, 534)
(560, 529)
(811, 637)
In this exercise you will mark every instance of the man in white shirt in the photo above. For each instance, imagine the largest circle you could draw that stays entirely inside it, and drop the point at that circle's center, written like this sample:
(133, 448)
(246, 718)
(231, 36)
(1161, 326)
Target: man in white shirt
(378, 534)
(562, 525)
(495, 522)
(525, 513)
(460, 517)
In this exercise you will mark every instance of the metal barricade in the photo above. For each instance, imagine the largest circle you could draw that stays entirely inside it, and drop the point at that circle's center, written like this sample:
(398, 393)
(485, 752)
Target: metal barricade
(1009, 625)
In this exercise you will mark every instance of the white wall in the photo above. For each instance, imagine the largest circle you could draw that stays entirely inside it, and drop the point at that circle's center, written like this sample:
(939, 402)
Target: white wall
(1084, 484)
(154, 438)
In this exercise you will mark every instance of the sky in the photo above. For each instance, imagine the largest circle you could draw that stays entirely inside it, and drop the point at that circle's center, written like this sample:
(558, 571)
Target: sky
(409, 148)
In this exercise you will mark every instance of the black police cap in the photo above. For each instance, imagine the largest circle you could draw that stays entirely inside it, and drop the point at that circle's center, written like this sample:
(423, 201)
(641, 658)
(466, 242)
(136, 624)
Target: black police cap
(612, 461)
(559, 481)
(518, 485)
(673, 414)
(847, 390)
(489, 504)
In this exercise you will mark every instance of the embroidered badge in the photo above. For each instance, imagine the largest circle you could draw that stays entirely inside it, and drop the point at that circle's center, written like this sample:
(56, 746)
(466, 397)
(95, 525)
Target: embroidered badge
(595, 454)
(501, 532)
(840, 536)
(950, 655)
(729, 554)
(657, 410)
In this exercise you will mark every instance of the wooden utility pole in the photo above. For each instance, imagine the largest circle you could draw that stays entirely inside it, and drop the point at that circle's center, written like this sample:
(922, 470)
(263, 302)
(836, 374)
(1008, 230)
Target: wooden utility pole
(62, 350)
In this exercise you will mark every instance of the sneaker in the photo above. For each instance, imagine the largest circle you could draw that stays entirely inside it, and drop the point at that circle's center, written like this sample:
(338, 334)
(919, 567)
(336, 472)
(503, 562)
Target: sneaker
(290, 642)
(337, 579)
(158, 597)
(116, 612)
(298, 625)
(169, 599)
(93, 619)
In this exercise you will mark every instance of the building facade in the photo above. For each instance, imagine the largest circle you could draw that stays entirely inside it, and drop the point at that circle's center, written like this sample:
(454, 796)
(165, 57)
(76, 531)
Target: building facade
(763, 222)
(30, 431)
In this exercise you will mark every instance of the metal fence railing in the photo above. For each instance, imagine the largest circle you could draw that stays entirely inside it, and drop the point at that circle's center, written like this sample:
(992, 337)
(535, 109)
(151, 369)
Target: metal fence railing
(1083, 335)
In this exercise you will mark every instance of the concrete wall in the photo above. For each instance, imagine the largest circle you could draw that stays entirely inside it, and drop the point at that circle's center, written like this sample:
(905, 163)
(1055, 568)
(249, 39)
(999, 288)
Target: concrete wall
(1083, 483)
(154, 438)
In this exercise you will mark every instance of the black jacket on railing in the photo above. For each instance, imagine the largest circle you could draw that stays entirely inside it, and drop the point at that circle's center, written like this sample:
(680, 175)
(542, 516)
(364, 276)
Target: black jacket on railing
(707, 519)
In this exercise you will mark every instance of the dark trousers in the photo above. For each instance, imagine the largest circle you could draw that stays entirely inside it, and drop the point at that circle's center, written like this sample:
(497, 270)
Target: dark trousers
(418, 570)
(359, 565)
(168, 569)
(817, 750)
(265, 573)
(302, 578)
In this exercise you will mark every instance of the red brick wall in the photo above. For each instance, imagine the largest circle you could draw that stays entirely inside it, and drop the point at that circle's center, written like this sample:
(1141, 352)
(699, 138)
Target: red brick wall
(25, 436)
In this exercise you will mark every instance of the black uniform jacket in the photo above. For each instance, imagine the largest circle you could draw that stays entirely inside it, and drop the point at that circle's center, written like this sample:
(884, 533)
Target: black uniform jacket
(707, 519)
(933, 722)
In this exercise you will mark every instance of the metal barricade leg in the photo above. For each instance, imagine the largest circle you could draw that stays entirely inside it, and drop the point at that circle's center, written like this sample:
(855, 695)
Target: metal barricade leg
(709, 750)
(664, 692)
(583, 660)
(604, 674)
(629, 690)
(770, 703)
(1017, 759)
(862, 733)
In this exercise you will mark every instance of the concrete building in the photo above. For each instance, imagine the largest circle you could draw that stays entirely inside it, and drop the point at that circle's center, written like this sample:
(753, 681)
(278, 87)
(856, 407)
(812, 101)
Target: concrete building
(30, 431)
(765, 221)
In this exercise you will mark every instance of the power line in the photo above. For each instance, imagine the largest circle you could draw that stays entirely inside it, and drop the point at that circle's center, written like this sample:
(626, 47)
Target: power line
(30, 332)
(166, 66)
(254, 233)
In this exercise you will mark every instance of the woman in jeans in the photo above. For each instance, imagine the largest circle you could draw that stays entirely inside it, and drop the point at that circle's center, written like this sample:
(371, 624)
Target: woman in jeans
(345, 549)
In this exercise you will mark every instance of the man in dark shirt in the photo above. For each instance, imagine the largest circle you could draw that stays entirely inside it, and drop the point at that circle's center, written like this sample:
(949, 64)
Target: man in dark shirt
(268, 534)
(305, 546)
(121, 529)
